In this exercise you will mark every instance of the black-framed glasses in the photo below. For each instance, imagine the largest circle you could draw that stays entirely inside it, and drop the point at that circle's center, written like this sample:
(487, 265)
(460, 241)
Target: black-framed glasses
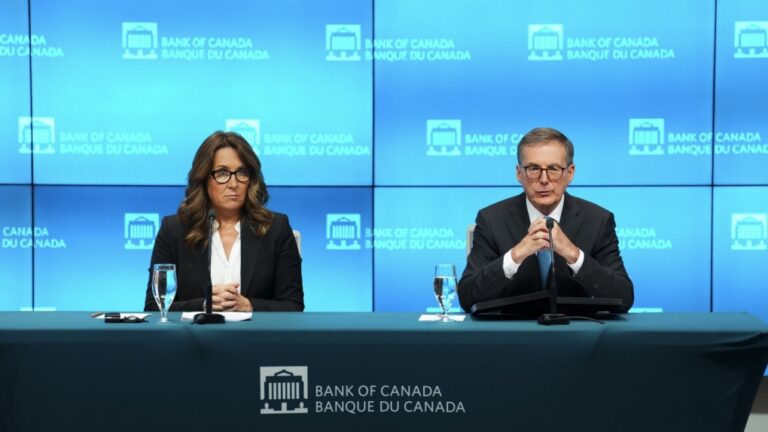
(222, 176)
(554, 172)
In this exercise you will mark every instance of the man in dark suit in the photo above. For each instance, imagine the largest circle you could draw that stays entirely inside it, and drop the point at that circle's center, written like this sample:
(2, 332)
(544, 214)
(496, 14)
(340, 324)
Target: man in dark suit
(511, 236)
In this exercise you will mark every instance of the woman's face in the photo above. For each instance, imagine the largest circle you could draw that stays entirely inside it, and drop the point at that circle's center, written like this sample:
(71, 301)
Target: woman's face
(229, 197)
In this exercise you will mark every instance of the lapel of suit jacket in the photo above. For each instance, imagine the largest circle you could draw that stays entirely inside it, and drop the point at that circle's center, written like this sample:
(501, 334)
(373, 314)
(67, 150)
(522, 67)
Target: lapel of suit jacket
(570, 223)
(200, 261)
(571, 219)
(518, 221)
(250, 249)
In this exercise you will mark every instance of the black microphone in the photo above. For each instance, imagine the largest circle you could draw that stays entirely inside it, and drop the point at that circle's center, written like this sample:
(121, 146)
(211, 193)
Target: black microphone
(550, 223)
(552, 317)
(209, 291)
(208, 317)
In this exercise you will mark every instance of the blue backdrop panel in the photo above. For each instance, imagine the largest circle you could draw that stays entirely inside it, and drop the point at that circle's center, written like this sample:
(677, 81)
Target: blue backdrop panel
(417, 228)
(740, 244)
(15, 134)
(98, 244)
(628, 85)
(160, 77)
(741, 138)
(16, 242)
(336, 262)
(664, 240)
(103, 106)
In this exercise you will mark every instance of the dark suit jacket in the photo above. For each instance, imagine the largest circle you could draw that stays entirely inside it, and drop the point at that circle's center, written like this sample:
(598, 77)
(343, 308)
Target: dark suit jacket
(501, 226)
(270, 268)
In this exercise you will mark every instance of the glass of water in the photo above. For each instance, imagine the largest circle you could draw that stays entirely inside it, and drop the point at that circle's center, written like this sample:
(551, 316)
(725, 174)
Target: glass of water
(164, 287)
(445, 287)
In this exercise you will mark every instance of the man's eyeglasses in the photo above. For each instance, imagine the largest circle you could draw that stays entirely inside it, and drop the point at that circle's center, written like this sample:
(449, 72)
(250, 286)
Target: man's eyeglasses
(222, 176)
(554, 172)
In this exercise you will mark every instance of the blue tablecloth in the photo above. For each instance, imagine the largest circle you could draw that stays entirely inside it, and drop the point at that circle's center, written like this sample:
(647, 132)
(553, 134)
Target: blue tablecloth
(379, 371)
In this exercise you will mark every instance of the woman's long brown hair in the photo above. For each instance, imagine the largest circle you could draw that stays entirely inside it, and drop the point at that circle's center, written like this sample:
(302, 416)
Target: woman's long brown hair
(194, 209)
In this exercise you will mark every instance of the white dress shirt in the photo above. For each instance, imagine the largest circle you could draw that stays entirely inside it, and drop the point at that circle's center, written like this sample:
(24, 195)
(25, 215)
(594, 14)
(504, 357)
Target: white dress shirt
(223, 269)
(511, 267)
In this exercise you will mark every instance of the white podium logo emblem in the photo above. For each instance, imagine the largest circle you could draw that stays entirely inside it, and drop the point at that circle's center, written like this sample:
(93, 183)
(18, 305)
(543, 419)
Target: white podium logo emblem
(284, 389)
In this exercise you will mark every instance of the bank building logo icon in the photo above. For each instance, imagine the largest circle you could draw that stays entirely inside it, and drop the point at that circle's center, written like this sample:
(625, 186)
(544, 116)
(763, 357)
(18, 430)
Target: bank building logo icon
(342, 42)
(37, 135)
(750, 39)
(140, 40)
(140, 230)
(545, 42)
(443, 137)
(342, 230)
(646, 137)
(749, 231)
(284, 389)
(250, 129)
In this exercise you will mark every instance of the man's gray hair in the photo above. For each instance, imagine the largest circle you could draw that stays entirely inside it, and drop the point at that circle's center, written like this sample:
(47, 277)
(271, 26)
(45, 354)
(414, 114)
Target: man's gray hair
(541, 135)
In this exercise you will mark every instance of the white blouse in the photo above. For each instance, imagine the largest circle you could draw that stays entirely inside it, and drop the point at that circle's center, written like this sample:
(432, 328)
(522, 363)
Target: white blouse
(225, 270)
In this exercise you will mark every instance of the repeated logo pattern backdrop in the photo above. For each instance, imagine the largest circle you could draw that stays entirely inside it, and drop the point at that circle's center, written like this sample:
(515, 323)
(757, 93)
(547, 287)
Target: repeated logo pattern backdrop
(382, 127)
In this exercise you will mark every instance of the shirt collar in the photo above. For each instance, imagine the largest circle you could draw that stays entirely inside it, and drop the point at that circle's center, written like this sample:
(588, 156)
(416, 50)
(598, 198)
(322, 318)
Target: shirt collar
(216, 226)
(534, 214)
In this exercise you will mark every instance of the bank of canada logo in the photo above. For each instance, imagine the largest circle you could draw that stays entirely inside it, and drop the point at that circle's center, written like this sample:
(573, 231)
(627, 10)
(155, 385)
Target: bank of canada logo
(37, 135)
(140, 230)
(284, 389)
(250, 129)
(342, 42)
(750, 39)
(140, 40)
(749, 231)
(444, 137)
(646, 137)
(545, 42)
(342, 230)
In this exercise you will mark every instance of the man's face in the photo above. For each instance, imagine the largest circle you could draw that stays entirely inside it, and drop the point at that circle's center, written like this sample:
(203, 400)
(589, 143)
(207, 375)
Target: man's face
(544, 192)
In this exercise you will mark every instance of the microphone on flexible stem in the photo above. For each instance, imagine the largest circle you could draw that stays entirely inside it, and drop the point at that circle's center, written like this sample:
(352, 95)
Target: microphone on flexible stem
(552, 317)
(208, 317)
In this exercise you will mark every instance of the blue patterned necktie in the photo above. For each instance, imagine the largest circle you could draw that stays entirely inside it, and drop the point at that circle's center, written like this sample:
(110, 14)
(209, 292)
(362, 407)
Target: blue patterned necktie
(544, 262)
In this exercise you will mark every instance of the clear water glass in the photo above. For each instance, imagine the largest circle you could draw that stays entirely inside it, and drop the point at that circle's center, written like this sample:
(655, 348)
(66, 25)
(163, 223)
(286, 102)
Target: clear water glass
(445, 288)
(164, 287)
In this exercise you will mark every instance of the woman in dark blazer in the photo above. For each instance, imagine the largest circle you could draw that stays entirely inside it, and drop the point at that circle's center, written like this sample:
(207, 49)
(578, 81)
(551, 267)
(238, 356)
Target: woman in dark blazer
(255, 263)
